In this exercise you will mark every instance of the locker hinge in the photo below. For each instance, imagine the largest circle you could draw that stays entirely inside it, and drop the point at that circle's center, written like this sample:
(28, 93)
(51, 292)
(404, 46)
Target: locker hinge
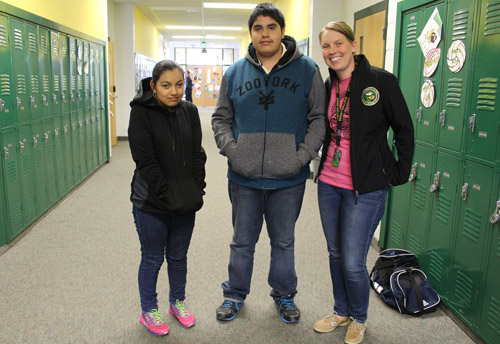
(465, 190)
(413, 173)
(472, 123)
(435, 185)
(442, 117)
(495, 217)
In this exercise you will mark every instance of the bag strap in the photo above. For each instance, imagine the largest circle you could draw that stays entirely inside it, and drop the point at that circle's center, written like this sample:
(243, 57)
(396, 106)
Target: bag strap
(418, 294)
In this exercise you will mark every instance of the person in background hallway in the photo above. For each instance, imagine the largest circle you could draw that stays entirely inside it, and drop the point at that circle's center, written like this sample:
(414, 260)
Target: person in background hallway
(189, 87)
(269, 123)
(357, 169)
(167, 188)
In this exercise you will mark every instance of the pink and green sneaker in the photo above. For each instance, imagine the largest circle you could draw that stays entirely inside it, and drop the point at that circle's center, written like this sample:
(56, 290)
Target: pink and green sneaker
(154, 322)
(180, 311)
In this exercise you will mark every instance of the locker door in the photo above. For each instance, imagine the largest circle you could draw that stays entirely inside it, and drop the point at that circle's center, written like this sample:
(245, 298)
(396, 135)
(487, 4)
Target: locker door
(442, 225)
(95, 147)
(75, 145)
(67, 146)
(82, 127)
(50, 164)
(426, 126)
(45, 71)
(72, 65)
(489, 324)
(472, 235)
(59, 156)
(64, 58)
(482, 134)
(398, 213)
(3, 212)
(88, 143)
(80, 93)
(12, 182)
(86, 74)
(34, 82)
(7, 92)
(19, 68)
(92, 75)
(55, 62)
(39, 167)
(420, 200)
(459, 33)
(27, 174)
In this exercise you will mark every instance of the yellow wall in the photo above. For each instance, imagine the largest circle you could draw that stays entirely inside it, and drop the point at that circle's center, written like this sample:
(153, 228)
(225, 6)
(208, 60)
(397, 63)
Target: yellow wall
(296, 14)
(146, 36)
(88, 16)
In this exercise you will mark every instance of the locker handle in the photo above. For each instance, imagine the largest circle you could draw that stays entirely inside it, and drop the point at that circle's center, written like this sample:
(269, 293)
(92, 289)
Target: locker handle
(32, 101)
(54, 98)
(413, 173)
(465, 190)
(65, 131)
(63, 97)
(21, 147)
(442, 117)
(79, 95)
(35, 142)
(419, 114)
(6, 152)
(472, 123)
(73, 127)
(435, 185)
(18, 101)
(2, 105)
(56, 133)
(44, 100)
(46, 137)
(72, 96)
(495, 217)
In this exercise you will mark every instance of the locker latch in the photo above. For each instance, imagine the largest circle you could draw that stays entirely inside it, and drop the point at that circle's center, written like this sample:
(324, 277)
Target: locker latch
(6, 152)
(419, 114)
(32, 101)
(413, 173)
(21, 147)
(54, 98)
(435, 184)
(2, 105)
(79, 95)
(56, 133)
(495, 217)
(472, 123)
(18, 101)
(44, 100)
(73, 127)
(465, 190)
(35, 142)
(442, 117)
(46, 137)
(65, 131)
(63, 97)
(72, 96)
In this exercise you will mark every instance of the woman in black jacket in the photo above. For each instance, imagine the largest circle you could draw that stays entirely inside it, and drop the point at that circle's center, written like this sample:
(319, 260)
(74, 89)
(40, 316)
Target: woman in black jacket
(167, 188)
(356, 170)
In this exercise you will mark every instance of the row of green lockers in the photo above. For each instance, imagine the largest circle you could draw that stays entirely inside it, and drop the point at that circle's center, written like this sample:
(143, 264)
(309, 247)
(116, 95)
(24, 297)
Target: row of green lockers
(53, 127)
(449, 211)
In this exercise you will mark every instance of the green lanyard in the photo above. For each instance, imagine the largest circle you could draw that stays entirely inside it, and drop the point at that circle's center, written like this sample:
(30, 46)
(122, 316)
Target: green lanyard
(340, 111)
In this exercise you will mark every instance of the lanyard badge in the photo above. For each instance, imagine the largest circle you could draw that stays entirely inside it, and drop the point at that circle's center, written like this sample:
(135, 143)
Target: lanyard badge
(340, 116)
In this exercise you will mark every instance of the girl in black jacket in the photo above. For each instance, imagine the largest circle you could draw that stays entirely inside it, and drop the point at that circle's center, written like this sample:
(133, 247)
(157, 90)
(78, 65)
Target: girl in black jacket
(167, 188)
(356, 170)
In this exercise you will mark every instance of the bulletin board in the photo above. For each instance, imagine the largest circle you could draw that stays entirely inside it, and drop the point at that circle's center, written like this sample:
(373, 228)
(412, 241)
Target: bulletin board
(206, 84)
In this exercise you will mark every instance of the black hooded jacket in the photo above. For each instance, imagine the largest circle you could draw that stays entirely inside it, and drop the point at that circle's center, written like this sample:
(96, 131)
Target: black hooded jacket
(170, 162)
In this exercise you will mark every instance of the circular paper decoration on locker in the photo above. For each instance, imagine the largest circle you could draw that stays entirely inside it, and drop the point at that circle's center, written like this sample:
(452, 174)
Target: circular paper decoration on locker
(456, 56)
(431, 61)
(427, 94)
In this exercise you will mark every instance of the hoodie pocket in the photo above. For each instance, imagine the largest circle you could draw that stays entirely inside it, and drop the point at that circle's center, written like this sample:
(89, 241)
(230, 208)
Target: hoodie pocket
(182, 197)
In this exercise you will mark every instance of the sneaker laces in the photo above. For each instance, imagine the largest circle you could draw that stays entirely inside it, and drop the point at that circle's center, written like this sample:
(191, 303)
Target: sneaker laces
(287, 303)
(155, 316)
(181, 308)
(228, 304)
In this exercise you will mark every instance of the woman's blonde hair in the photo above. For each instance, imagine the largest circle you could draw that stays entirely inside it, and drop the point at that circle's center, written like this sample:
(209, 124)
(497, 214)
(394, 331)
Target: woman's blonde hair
(338, 26)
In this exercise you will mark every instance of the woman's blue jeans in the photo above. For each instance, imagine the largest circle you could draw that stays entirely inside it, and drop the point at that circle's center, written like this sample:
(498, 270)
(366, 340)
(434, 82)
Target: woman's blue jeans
(280, 208)
(349, 226)
(162, 236)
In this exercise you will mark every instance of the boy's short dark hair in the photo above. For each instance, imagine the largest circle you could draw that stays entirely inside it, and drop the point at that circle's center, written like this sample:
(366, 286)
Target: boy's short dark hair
(268, 10)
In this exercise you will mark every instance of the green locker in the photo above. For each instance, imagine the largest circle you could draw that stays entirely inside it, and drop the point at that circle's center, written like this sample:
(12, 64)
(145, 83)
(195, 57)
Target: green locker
(95, 142)
(55, 59)
(61, 181)
(92, 75)
(75, 145)
(83, 143)
(86, 74)
(45, 71)
(420, 200)
(34, 80)
(80, 94)
(64, 58)
(27, 174)
(482, 134)
(467, 276)
(12, 182)
(397, 215)
(72, 66)
(3, 212)
(39, 167)
(88, 142)
(49, 149)
(454, 100)
(67, 151)
(7, 91)
(18, 45)
(442, 226)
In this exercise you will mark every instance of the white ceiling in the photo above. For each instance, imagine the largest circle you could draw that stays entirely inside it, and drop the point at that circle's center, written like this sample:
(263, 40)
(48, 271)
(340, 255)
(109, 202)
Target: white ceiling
(192, 13)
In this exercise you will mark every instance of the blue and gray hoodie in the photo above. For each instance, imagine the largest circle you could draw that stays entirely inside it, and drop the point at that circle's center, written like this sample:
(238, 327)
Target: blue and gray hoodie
(270, 126)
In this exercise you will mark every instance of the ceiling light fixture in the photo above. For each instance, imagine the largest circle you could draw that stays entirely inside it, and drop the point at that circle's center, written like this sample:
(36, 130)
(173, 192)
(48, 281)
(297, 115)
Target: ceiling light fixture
(221, 28)
(229, 5)
(203, 37)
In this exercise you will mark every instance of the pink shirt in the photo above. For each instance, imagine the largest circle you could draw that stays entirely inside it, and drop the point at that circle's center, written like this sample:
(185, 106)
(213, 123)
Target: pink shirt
(338, 176)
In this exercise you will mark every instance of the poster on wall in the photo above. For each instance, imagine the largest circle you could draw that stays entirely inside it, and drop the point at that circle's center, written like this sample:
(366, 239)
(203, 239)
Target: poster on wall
(431, 62)
(456, 56)
(431, 34)
(427, 94)
(143, 69)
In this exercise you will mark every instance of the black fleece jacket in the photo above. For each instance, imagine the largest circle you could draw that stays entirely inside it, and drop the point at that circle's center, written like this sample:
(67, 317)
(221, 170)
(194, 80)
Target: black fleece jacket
(373, 165)
(170, 162)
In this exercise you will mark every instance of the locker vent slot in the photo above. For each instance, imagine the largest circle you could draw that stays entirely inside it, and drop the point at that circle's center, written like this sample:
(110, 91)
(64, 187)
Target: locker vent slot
(460, 19)
(34, 84)
(59, 149)
(498, 248)
(72, 50)
(46, 84)
(55, 48)
(3, 36)
(17, 215)
(79, 82)
(396, 234)
(73, 83)
(443, 209)
(414, 244)
(42, 199)
(26, 164)
(492, 24)
(436, 266)
(30, 205)
(56, 83)
(64, 50)
(38, 158)
(472, 225)
(463, 289)
(494, 315)
(420, 196)
(32, 42)
(64, 82)
(11, 171)
(86, 81)
(411, 35)
(44, 46)
(454, 95)
(487, 94)
(21, 84)
(5, 84)
(92, 84)
(18, 39)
